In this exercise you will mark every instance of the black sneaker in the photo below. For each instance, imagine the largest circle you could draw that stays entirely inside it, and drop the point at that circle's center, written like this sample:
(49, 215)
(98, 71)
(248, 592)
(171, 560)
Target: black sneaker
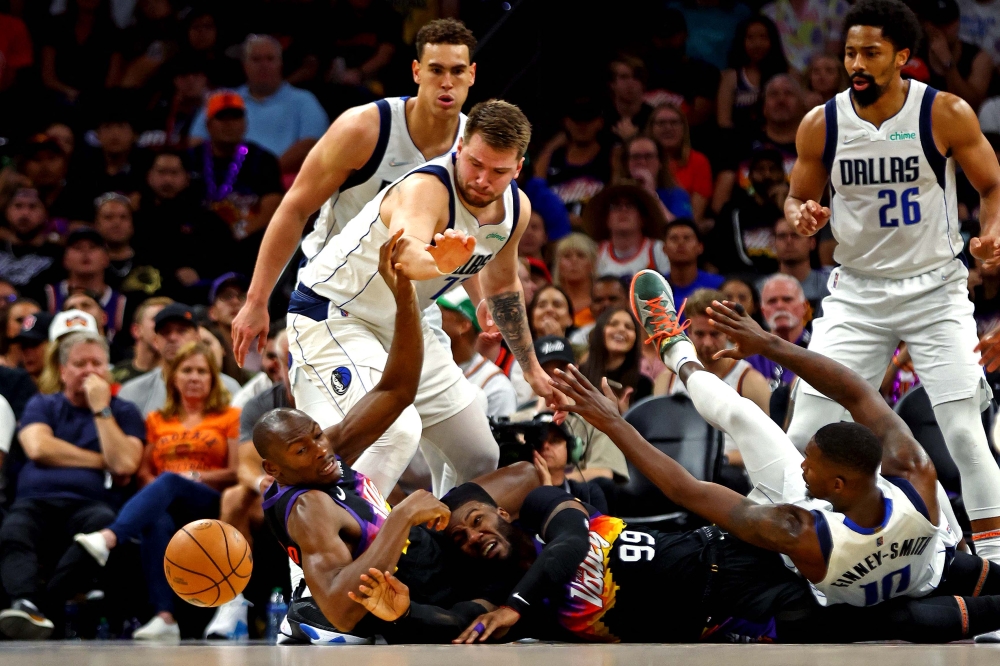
(23, 621)
(305, 624)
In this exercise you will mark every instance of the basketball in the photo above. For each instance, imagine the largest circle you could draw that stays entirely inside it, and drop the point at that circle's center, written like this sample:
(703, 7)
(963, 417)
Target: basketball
(208, 562)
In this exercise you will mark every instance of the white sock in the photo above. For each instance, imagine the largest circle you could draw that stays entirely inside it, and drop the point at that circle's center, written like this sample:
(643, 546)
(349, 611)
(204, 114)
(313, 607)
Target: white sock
(680, 353)
(987, 545)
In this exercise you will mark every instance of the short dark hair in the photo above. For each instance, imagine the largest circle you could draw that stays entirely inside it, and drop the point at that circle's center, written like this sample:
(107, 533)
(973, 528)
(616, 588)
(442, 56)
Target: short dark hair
(445, 31)
(850, 445)
(897, 21)
(502, 125)
(683, 222)
(461, 495)
(606, 278)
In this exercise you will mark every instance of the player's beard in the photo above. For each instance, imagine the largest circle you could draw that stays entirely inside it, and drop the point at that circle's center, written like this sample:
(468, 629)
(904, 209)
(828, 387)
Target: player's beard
(869, 95)
(472, 197)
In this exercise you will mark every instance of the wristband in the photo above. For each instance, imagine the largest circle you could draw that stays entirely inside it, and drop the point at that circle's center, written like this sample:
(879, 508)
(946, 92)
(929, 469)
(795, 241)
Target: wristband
(104, 413)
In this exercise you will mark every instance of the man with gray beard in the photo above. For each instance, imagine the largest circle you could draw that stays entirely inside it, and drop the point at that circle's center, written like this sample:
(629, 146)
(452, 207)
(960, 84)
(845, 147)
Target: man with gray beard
(783, 304)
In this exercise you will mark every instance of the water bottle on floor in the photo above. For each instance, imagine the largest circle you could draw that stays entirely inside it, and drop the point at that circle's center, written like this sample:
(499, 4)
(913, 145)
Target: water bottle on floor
(276, 610)
(103, 630)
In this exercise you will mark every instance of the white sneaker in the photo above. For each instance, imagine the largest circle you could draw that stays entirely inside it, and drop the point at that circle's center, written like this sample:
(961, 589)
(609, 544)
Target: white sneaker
(227, 621)
(990, 637)
(159, 631)
(95, 545)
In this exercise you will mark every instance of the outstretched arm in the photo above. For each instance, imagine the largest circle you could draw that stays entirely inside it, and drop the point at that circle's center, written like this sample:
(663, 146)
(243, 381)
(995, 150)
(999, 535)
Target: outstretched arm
(902, 455)
(395, 391)
(783, 528)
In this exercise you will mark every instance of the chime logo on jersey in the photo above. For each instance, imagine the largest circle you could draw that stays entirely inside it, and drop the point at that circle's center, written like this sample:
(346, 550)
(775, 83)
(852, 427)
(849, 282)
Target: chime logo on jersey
(340, 379)
(592, 591)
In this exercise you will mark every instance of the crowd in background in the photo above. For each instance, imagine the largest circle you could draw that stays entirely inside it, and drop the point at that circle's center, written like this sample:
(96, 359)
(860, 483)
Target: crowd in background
(147, 143)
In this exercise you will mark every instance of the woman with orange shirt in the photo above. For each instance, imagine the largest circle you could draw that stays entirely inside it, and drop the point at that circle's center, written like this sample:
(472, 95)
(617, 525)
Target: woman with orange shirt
(190, 459)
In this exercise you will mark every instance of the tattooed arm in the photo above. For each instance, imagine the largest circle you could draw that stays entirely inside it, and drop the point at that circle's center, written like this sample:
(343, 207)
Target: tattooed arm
(505, 298)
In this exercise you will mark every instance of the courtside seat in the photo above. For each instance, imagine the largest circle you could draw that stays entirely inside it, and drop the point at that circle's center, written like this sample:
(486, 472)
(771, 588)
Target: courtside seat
(673, 426)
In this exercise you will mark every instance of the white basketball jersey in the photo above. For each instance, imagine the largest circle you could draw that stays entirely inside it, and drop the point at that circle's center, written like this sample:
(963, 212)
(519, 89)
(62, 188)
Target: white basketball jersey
(893, 198)
(394, 156)
(343, 280)
(905, 556)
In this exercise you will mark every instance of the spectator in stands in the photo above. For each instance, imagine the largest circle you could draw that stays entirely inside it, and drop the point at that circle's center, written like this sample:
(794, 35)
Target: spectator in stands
(145, 356)
(82, 50)
(75, 441)
(28, 260)
(615, 354)
(174, 327)
(271, 363)
(608, 291)
(226, 296)
(644, 161)
(756, 57)
(575, 164)
(16, 51)
(32, 343)
(668, 126)
(794, 253)
(628, 222)
(534, 239)
(87, 301)
(190, 459)
(550, 313)
(85, 260)
(239, 180)
(553, 458)
(711, 26)
(807, 27)
(187, 243)
(825, 77)
(683, 247)
(546, 204)
(150, 42)
(742, 240)
(573, 263)
(363, 41)
(203, 47)
(211, 340)
(980, 26)
(46, 165)
(64, 137)
(116, 165)
(783, 305)
(63, 323)
(784, 106)
(459, 322)
(14, 317)
(284, 120)
(170, 120)
(629, 112)
(956, 66)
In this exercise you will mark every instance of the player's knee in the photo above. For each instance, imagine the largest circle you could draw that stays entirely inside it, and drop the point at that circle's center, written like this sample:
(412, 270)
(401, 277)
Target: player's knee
(483, 459)
(404, 433)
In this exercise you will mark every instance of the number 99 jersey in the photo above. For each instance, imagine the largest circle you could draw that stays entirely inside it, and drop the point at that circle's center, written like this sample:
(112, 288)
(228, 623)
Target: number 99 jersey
(893, 199)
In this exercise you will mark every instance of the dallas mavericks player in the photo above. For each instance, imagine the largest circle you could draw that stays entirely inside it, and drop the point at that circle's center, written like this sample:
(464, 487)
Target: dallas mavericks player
(888, 149)
(341, 315)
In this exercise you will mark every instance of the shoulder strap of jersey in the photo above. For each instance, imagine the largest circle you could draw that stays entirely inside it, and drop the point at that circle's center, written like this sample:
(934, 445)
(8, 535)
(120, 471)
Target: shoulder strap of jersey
(911, 494)
(931, 152)
(823, 534)
(830, 147)
(371, 166)
(515, 209)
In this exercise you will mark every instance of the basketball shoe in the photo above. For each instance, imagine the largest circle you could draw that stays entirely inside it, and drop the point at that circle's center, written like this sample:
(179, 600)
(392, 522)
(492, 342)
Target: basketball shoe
(653, 305)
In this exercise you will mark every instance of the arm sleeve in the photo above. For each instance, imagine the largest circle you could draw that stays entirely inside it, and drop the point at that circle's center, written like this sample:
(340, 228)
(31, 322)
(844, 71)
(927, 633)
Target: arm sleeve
(432, 624)
(36, 411)
(567, 541)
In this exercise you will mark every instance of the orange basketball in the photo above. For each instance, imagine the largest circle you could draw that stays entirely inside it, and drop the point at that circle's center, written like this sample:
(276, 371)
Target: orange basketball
(208, 562)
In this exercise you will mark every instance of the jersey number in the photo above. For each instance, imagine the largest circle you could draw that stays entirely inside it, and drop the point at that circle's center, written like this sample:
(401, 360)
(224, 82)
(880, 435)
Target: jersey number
(449, 282)
(911, 208)
(631, 553)
(872, 589)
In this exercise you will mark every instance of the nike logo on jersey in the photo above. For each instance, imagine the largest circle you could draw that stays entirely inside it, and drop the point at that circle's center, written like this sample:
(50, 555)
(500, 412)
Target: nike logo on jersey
(851, 138)
(341, 495)
(394, 163)
(879, 170)
(517, 596)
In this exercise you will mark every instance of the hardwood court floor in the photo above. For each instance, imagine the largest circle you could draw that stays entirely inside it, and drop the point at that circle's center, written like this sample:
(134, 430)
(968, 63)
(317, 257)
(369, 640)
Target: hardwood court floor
(199, 654)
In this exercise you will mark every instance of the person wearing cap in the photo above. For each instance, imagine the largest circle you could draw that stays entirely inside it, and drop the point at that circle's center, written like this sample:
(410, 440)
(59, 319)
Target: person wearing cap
(226, 296)
(742, 240)
(552, 459)
(61, 324)
(459, 321)
(575, 164)
(284, 120)
(954, 65)
(29, 260)
(85, 260)
(174, 326)
(78, 442)
(237, 178)
(627, 221)
(33, 340)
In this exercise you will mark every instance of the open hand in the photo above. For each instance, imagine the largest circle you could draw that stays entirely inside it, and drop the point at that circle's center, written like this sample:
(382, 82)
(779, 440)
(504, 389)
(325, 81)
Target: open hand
(599, 410)
(451, 250)
(739, 327)
(812, 218)
(989, 347)
(495, 623)
(383, 595)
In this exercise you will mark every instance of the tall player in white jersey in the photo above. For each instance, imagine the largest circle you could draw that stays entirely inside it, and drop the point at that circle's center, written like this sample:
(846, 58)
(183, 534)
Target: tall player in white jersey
(888, 149)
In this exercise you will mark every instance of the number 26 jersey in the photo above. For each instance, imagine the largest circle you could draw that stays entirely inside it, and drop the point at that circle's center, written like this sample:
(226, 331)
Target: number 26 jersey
(893, 199)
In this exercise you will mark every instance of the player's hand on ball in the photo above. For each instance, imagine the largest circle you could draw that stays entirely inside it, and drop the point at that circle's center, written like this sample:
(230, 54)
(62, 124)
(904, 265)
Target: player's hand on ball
(422, 508)
(989, 347)
(451, 250)
(598, 409)
(383, 595)
(739, 327)
(495, 623)
(812, 218)
(986, 248)
(392, 271)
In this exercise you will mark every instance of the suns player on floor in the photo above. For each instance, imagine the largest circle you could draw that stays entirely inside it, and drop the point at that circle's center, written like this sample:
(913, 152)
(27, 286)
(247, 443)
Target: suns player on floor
(888, 149)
